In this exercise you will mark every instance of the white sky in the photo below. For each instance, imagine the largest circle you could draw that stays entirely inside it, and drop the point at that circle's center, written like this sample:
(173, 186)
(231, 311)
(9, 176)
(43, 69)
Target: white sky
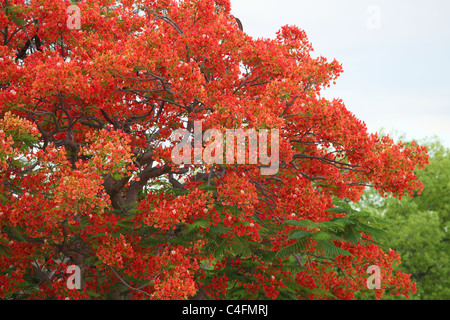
(395, 55)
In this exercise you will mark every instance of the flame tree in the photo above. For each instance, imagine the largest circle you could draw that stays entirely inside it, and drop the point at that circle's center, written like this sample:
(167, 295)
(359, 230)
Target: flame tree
(87, 177)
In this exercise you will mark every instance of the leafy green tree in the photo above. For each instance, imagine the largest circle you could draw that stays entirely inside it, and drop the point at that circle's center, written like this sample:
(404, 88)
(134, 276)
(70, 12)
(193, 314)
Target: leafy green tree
(418, 227)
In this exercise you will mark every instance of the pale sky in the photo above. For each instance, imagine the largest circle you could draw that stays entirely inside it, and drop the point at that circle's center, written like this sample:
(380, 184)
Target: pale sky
(395, 55)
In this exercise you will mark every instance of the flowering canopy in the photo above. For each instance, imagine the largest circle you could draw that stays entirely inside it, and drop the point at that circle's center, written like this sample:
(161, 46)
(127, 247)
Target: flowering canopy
(87, 177)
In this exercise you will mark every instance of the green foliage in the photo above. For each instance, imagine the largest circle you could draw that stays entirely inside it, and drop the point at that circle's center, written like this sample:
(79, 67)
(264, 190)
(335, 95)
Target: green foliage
(12, 12)
(351, 228)
(418, 228)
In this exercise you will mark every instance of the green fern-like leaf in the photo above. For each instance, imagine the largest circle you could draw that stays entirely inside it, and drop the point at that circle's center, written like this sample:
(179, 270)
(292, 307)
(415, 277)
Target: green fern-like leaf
(296, 247)
(329, 249)
(239, 247)
(299, 234)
